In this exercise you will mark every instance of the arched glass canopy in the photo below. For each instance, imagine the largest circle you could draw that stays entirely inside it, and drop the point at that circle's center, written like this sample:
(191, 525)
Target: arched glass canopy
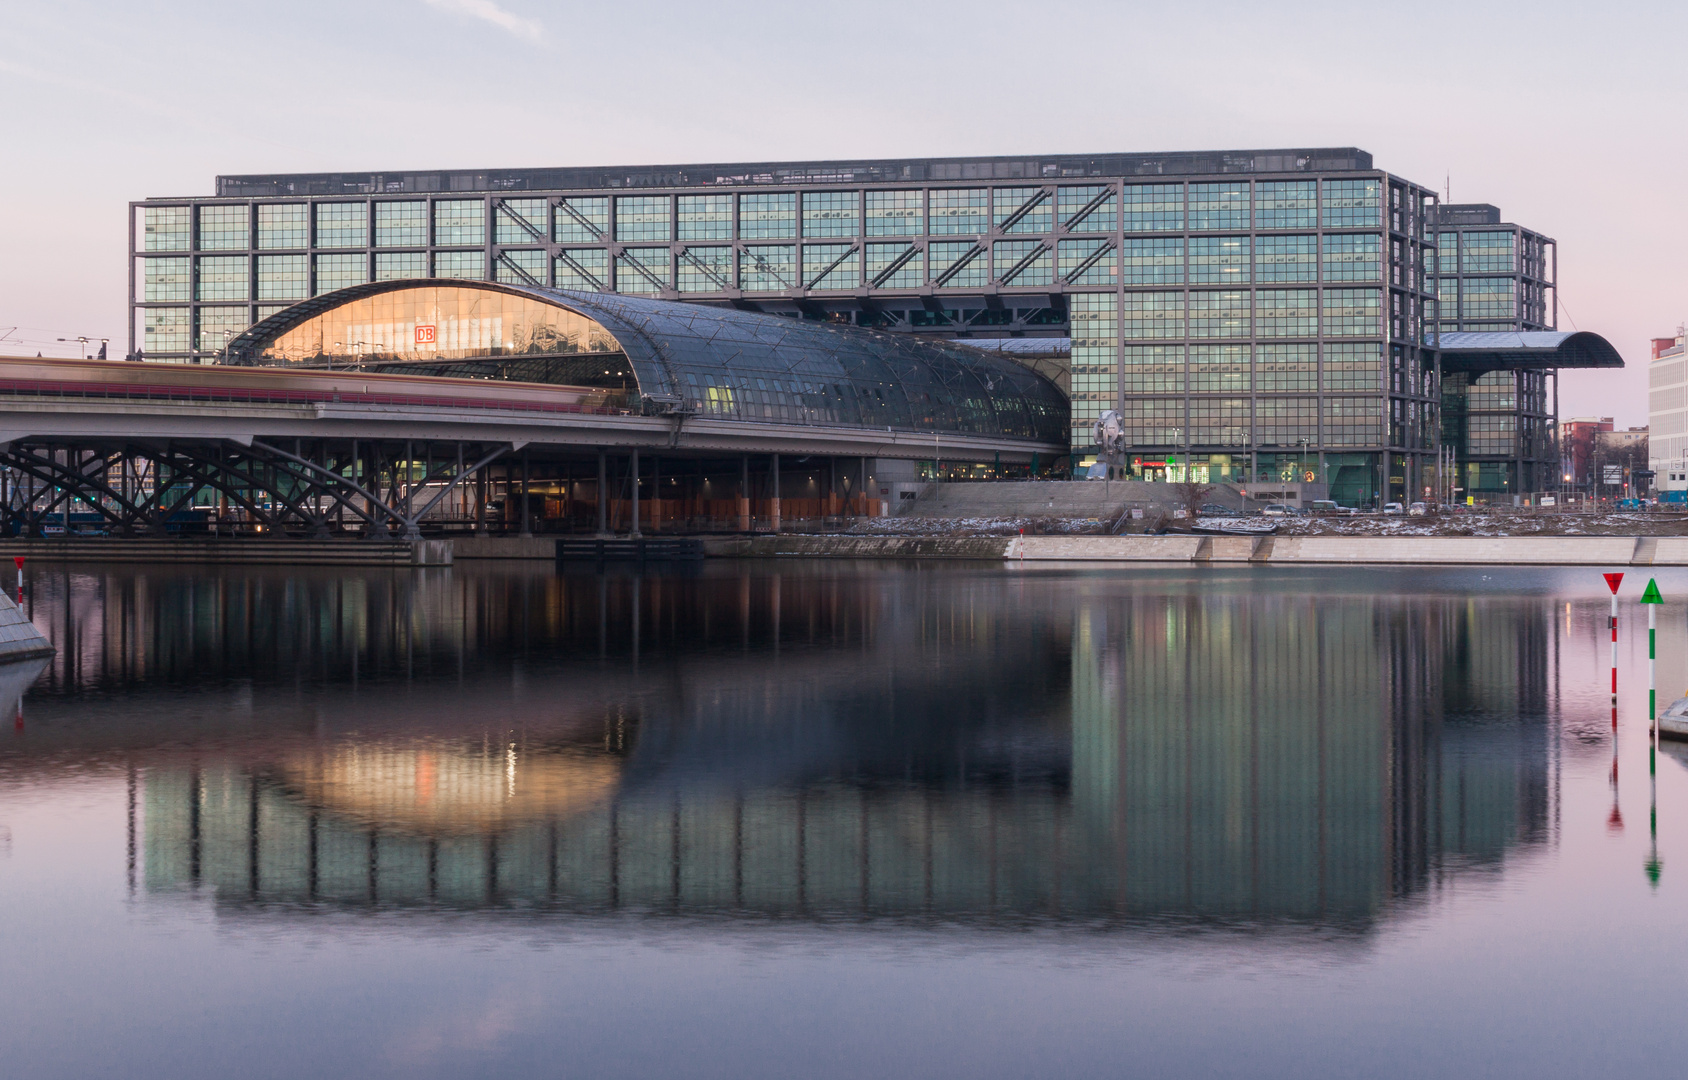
(711, 361)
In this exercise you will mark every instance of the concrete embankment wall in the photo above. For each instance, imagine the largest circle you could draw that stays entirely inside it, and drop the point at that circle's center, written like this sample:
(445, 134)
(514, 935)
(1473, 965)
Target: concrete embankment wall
(858, 547)
(1384, 550)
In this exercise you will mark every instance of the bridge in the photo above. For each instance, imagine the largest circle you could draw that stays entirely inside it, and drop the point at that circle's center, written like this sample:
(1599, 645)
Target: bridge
(382, 440)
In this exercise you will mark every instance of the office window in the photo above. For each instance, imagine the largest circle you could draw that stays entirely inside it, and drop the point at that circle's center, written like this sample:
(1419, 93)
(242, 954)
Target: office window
(342, 225)
(339, 271)
(767, 267)
(520, 221)
(770, 216)
(1357, 366)
(1487, 253)
(1152, 261)
(1353, 421)
(1087, 262)
(1219, 206)
(705, 217)
(895, 213)
(1035, 213)
(1286, 258)
(583, 269)
(1493, 390)
(1354, 257)
(1153, 421)
(1094, 375)
(1087, 209)
(164, 330)
(401, 224)
(1353, 313)
(222, 277)
(1280, 313)
(520, 266)
(282, 226)
(1286, 204)
(581, 220)
(831, 266)
(281, 277)
(1353, 204)
(1219, 369)
(1219, 313)
(400, 265)
(166, 228)
(1286, 421)
(1019, 263)
(831, 213)
(459, 223)
(1220, 260)
(1151, 315)
(1153, 208)
(1224, 421)
(460, 264)
(1281, 367)
(1152, 369)
(641, 270)
(958, 211)
(165, 279)
(224, 228)
(1492, 434)
(895, 266)
(957, 265)
(642, 217)
(217, 326)
(706, 269)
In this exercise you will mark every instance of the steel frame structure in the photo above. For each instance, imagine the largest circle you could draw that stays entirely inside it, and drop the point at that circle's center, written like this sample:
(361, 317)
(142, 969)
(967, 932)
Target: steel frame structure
(140, 486)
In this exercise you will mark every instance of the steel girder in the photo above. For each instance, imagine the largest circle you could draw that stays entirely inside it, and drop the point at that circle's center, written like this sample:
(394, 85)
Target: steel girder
(140, 486)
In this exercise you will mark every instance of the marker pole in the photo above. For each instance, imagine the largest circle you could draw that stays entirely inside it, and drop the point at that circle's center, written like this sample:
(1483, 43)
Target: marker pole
(1652, 667)
(1614, 621)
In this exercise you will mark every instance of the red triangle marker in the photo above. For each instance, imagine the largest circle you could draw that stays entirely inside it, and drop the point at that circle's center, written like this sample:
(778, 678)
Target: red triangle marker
(1612, 581)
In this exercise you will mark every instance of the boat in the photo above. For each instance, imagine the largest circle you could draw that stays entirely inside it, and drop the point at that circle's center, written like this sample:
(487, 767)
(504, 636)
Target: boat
(1235, 526)
(1673, 722)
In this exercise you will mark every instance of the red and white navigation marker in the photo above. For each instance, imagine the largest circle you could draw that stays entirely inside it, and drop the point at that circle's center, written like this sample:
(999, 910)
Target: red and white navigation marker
(1612, 582)
(18, 559)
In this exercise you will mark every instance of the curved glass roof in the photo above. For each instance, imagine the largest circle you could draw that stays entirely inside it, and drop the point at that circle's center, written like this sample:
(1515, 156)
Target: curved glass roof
(1526, 350)
(712, 361)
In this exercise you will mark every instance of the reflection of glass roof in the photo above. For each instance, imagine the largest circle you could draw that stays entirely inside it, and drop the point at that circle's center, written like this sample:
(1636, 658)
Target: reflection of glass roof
(729, 364)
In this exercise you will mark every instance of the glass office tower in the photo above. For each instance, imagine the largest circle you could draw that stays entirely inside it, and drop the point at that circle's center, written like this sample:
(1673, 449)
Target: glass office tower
(1495, 276)
(1253, 314)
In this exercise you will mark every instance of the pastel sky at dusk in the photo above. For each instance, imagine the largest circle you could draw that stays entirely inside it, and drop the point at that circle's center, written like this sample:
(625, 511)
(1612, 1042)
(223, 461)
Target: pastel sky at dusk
(1563, 114)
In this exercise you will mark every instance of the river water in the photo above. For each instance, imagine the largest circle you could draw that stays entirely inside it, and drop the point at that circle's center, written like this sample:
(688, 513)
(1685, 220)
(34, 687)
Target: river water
(840, 819)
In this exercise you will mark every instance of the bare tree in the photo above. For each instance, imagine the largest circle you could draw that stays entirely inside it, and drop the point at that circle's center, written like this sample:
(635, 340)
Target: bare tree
(1191, 496)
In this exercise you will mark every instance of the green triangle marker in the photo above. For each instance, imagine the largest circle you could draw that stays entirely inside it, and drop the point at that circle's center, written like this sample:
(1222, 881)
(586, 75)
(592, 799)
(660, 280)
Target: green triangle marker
(1651, 596)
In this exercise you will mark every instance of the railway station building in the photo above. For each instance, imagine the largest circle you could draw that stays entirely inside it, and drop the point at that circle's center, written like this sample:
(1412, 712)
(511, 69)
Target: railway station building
(1258, 315)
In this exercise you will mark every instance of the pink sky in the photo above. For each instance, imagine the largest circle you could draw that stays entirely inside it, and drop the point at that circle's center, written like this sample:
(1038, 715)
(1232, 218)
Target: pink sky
(1557, 113)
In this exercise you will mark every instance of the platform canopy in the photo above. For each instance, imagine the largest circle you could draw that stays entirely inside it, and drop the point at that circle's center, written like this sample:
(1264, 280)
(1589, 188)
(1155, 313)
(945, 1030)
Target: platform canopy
(1477, 352)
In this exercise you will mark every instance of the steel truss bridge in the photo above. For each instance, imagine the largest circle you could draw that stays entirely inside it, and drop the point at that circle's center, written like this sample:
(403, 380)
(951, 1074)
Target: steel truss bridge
(318, 453)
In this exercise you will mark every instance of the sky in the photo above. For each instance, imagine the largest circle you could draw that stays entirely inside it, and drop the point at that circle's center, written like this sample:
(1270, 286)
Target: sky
(1561, 113)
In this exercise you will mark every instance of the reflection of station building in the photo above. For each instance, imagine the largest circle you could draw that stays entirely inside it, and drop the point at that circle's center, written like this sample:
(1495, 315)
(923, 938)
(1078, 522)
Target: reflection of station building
(1245, 756)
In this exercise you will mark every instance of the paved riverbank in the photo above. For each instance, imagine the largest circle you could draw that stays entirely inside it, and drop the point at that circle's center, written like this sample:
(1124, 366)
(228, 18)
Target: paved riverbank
(1275, 550)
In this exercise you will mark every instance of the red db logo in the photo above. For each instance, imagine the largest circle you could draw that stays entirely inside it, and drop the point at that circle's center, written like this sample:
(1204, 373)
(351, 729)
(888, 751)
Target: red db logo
(424, 335)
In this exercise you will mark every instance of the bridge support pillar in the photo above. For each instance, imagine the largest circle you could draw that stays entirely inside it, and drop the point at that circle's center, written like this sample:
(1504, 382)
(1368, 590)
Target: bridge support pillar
(744, 494)
(527, 521)
(603, 494)
(633, 477)
(774, 508)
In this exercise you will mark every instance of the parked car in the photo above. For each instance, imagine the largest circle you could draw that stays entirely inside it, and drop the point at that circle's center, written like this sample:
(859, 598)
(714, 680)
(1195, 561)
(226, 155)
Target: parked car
(1418, 509)
(1393, 508)
(1218, 510)
(1280, 510)
(1629, 504)
(1329, 506)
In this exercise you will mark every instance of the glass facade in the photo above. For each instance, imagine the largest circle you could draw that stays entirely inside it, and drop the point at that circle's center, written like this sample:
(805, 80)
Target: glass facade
(1296, 298)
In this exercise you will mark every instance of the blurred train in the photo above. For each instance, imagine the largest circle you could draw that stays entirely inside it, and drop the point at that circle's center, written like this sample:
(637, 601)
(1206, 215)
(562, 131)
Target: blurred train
(25, 376)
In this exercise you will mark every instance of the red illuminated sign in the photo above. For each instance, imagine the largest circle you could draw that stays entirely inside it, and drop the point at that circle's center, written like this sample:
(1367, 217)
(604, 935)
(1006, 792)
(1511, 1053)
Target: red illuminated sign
(424, 334)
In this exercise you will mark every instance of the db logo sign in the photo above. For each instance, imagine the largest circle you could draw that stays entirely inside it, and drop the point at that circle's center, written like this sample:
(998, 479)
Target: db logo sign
(424, 335)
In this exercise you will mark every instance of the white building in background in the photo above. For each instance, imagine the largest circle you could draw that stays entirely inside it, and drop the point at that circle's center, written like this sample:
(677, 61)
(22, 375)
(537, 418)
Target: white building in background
(1667, 414)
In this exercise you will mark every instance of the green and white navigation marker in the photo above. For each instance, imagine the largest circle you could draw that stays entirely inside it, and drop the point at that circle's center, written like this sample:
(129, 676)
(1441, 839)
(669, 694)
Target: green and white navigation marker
(1652, 599)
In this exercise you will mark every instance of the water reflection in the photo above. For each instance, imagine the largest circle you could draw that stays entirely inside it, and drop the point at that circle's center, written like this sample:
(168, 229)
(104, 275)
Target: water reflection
(804, 741)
